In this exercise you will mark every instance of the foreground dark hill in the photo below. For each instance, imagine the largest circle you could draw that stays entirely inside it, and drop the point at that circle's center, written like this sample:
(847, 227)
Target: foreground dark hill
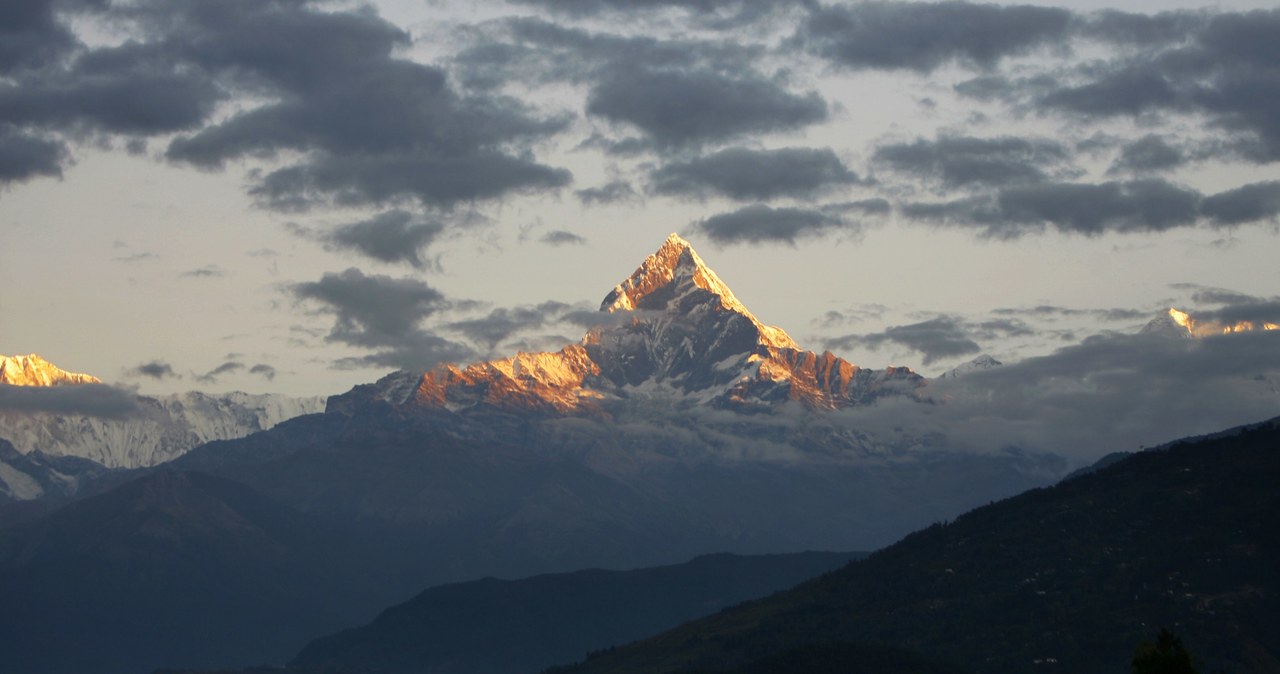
(1070, 577)
(176, 567)
(493, 626)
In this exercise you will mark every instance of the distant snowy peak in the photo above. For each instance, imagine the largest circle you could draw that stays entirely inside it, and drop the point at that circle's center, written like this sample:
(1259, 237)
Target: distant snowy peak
(1180, 324)
(983, 362)
(165, 428)
(32, 370)
(672, 330)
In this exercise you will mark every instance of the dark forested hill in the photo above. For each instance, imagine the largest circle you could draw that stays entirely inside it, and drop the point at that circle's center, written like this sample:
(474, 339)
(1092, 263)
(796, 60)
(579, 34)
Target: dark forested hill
(1069, 578)
(493, 626)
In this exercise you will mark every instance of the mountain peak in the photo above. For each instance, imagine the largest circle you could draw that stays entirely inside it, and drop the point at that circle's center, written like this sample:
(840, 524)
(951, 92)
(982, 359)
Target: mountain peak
(1178, 323)
(32, 370)
(670, 274)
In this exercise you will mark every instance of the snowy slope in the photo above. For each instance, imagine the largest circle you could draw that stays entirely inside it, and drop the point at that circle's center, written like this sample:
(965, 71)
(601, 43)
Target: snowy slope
(167, 428)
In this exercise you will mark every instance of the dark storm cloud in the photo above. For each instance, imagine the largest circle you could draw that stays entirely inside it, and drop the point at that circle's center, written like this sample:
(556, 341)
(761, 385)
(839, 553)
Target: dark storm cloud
(94, 400)
(608, 193)
(383, 314)
(1250, 203)
(1149, 154)
(1092, 209)
(560, 237)
(503, 323)
(759, 223)
(937, 338)
(746, 175)
(156, 369)
(966, 161)
(684, 108)
(23, 155)
(393, 236)
(924, 36)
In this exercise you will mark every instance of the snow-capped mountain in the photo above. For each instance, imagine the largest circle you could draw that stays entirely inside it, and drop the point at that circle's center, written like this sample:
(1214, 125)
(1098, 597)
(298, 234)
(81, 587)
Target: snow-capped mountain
(1180, 324)
(672, 329)
(983, 362)
(164, 428)
(25, 477)
(32, 370)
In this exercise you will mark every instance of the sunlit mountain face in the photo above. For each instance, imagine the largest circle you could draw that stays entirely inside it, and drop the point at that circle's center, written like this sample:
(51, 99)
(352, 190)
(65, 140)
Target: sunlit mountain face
(1199, 328)
(32, 370)
(672, 329)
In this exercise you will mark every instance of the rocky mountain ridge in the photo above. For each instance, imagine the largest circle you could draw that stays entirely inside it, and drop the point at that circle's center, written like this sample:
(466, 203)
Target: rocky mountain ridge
(672, 329)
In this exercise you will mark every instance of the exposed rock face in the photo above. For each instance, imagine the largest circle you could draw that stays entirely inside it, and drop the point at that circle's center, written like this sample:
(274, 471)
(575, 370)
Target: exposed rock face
(673, 328)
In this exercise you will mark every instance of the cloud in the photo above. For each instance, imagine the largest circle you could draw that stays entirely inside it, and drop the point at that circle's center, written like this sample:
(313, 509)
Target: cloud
(746, 175)
(502, 323)
(966, 161)
(1251, 203)
(1109, 393)
(1149, 154)
(94, 400)
(266, 371)
(1125, 28)
(560, 237)
(207, 271)
(1218, 296)
(393, 236)
(937, 338)
(714, 13)
(24, 156)
(678, 93)
(924, 36)
(1222, 67)
(688, 108)
(759, 223)
(33, 34)
(357, 123)
(227, 367)
(383, 314)
(608, 193)
(1048, 311)
(1150, 205)
(1250, 310)
(155, 369)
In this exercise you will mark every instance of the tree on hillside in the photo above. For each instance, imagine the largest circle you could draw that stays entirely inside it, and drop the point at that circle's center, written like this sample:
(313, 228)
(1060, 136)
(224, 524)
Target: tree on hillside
(1166, 656)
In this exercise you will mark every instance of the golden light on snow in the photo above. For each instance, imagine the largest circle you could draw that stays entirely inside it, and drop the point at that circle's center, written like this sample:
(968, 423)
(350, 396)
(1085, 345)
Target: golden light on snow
(1202, 328)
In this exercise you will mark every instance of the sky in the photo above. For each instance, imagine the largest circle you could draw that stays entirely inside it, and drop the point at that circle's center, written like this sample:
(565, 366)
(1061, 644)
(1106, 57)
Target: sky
(302, 196)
